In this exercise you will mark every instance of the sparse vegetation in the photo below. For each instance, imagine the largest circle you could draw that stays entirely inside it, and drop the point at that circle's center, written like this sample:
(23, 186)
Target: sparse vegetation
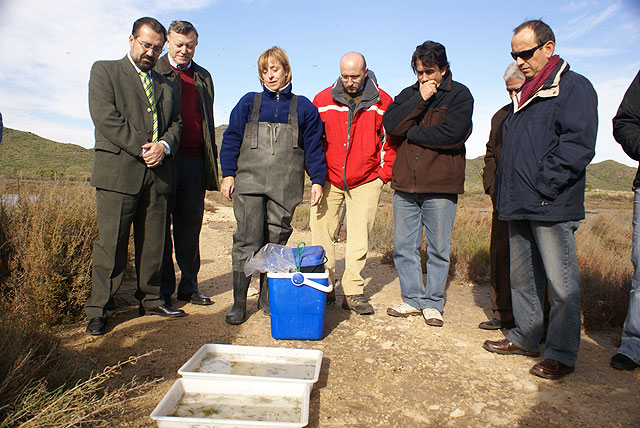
(47, 232)
(603, 239)
(46, 239)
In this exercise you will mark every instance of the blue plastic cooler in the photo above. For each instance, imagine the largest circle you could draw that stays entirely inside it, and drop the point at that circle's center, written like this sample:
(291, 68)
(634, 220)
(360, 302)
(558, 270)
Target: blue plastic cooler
(297, 301)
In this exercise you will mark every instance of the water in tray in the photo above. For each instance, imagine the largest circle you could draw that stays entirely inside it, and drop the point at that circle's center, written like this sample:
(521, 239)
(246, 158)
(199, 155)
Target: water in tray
(238, 407)
(256, 365)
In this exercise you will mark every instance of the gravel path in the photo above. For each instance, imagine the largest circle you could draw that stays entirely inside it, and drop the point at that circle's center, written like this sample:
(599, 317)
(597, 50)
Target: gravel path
(377, 371)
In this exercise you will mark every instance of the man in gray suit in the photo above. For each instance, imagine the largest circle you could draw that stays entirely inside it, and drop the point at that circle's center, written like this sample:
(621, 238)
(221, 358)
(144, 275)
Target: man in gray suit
(137, 129)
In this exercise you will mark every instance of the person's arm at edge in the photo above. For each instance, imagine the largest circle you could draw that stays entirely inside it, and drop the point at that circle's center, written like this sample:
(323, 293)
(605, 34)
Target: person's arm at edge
(626, 123)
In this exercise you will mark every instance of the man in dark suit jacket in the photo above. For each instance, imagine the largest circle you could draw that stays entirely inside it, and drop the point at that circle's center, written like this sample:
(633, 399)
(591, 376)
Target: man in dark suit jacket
(137, 130)
(196, 162)
(499, 248)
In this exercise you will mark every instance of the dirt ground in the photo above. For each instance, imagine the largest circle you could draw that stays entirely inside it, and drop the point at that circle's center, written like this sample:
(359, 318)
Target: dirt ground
(377, 371)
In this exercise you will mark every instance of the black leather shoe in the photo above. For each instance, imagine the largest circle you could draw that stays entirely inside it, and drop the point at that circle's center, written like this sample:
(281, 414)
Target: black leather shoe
(163, 310)
(495, 324)
(196, 299)
(622, 362)
(490, 324)
(97, 326)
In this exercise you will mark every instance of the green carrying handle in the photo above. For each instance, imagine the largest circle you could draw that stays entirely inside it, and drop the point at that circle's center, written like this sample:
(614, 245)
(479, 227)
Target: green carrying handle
(301, 247)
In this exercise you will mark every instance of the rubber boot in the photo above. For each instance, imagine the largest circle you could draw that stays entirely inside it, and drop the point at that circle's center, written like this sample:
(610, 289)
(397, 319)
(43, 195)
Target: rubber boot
(238, 312)
(263, 298)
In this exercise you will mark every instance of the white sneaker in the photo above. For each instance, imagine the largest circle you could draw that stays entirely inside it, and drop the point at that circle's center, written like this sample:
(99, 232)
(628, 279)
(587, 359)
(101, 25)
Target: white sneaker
(432, 317)
(403, 310)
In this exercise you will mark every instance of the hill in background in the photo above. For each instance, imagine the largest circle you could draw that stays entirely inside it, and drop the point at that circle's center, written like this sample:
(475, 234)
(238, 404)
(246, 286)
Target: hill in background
(26, 155)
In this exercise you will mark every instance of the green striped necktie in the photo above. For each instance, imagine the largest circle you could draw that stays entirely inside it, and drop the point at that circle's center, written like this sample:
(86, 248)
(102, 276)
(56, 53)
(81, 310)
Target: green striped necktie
(148, 89)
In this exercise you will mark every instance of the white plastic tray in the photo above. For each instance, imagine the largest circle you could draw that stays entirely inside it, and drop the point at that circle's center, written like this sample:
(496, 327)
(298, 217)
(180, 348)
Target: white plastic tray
(296, 390)
(252, 353)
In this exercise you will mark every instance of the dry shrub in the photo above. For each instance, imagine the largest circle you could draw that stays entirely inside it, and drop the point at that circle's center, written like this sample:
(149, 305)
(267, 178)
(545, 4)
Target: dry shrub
(47, 240)
(300, 220)
(470, 240)
(30, 356)
(381, 237)
(604, 249)
(39, 386)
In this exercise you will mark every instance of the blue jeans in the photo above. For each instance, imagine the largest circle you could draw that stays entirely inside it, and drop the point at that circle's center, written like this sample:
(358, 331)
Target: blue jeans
(545, 252)
(631, 330)
(436, 213)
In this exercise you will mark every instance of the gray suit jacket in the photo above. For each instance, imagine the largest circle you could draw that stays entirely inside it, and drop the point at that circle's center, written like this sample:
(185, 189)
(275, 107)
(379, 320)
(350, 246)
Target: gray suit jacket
(123, 123)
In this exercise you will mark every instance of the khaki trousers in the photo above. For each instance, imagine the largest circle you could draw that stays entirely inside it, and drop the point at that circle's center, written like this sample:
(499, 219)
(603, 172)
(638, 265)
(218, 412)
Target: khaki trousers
(362, 204)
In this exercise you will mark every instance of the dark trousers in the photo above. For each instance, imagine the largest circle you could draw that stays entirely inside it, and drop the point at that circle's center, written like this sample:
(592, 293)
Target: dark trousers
(116, 212)
(186, 210)
(260, 220)
(499, 270)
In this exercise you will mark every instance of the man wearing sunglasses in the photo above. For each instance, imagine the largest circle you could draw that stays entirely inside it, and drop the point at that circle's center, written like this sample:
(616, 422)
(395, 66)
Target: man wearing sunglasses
(547, 142)
(137, 130)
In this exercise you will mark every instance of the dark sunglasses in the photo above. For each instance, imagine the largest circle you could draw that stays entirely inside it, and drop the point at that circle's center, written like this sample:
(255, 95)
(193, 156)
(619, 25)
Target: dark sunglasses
(525, 55)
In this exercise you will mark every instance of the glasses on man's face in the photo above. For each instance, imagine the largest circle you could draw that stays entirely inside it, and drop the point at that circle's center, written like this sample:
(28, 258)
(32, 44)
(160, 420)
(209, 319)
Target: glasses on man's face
(148, 46)
(525, 55)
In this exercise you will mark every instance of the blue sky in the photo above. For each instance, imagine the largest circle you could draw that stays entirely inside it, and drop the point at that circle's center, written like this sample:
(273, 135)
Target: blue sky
(49, 46)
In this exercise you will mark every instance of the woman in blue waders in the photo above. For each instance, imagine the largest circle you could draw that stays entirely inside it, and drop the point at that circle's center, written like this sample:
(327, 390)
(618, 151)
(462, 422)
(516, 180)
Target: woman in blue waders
(273, 136)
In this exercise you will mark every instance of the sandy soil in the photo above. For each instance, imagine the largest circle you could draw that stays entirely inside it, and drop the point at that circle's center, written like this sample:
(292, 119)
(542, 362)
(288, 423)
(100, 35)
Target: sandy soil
(377, 371)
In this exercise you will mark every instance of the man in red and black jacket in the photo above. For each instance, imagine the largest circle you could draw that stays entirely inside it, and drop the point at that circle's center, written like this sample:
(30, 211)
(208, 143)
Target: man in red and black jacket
(359, 162)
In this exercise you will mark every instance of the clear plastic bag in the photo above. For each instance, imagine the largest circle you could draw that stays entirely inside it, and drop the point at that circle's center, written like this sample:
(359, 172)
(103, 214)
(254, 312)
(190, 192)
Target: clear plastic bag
(271, 258)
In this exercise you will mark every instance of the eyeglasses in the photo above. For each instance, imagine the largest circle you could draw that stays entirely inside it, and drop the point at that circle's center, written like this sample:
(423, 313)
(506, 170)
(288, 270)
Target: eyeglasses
(525, 55)
(148, 46)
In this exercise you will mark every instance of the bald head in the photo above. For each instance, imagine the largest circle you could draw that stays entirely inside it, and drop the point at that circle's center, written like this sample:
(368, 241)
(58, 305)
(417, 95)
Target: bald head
(353, 70)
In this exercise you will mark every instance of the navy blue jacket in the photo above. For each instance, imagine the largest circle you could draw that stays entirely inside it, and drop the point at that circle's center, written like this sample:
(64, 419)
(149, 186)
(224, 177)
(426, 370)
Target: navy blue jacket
(626, 124)
(547, 143)
(276, 110)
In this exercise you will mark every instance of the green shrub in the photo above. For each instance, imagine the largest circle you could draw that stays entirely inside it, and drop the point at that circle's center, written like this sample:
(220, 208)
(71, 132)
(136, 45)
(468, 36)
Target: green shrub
(47, 239)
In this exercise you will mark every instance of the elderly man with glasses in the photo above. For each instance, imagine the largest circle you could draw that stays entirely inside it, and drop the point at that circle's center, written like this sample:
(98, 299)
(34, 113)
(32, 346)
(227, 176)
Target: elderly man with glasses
(196, 163)
(499, 246)
(137, 131)
(547, 142)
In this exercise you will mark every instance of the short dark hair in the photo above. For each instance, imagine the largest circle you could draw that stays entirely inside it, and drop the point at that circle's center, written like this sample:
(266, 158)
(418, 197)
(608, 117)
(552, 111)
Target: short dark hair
(541, 30)
(430, 53)
(182, 27)
(151, 22)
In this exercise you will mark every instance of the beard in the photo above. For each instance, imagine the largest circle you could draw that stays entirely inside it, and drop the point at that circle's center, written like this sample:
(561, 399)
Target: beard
(145, 63)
